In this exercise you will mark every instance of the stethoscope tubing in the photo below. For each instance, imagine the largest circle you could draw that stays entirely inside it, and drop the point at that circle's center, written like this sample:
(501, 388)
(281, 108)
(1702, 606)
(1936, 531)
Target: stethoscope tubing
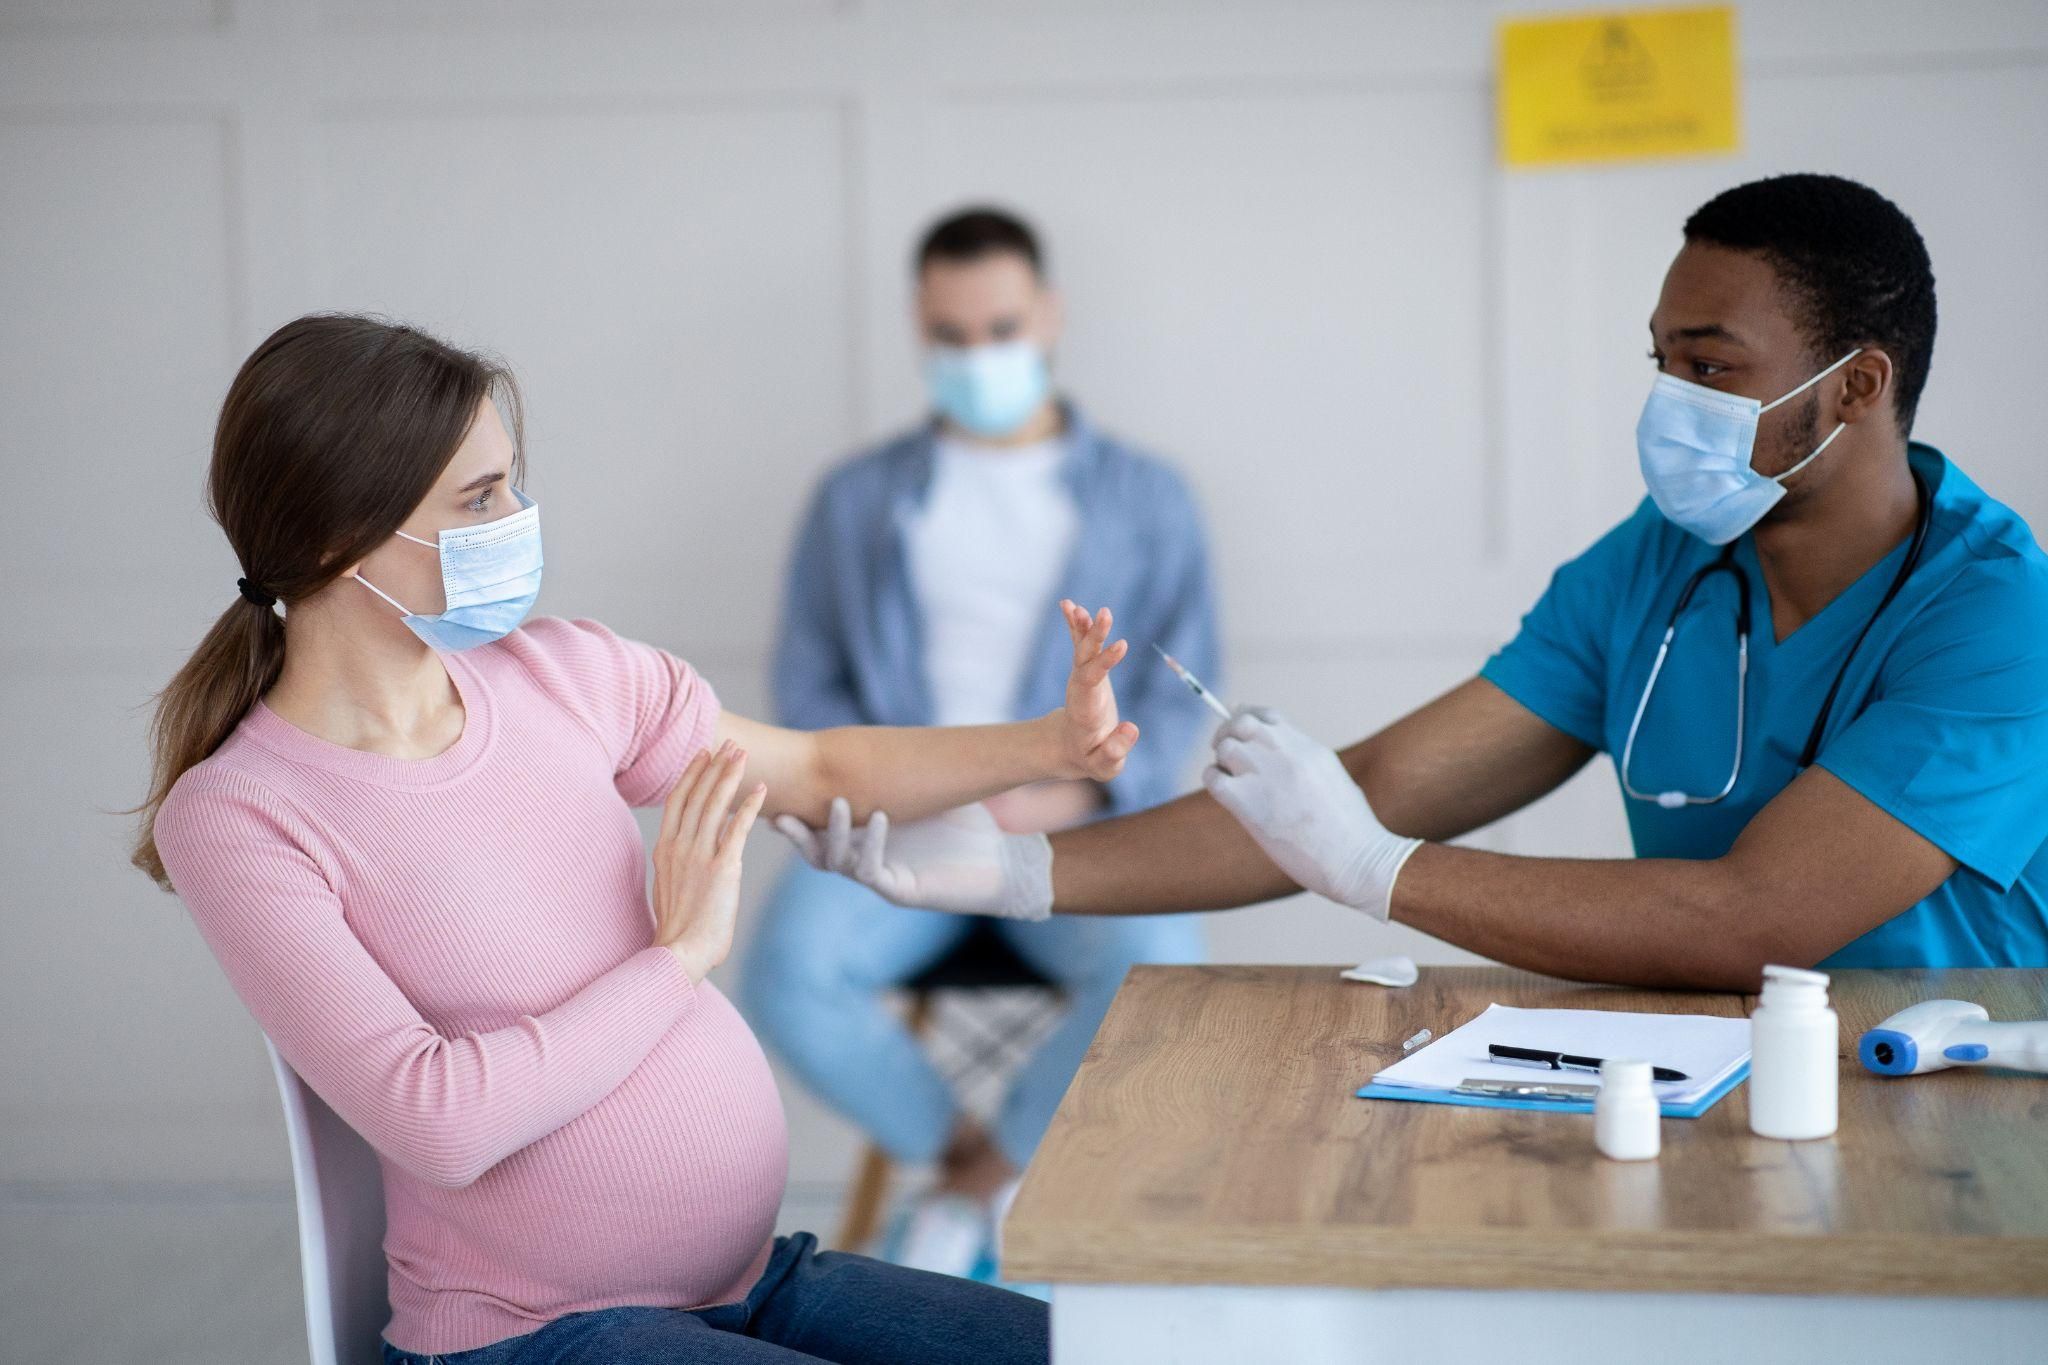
(1725, 562)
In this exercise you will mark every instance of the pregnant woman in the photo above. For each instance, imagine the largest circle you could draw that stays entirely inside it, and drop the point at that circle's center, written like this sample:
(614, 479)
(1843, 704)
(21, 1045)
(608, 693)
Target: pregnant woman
(402, 821)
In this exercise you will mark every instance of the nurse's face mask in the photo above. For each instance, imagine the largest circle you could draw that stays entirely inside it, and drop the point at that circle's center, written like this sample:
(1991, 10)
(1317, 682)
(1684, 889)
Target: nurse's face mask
(490, 575)
(1694, 444)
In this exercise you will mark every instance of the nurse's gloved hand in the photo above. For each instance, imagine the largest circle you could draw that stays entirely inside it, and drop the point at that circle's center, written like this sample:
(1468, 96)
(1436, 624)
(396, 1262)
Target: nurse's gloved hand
(959, 860)
(1296, 799)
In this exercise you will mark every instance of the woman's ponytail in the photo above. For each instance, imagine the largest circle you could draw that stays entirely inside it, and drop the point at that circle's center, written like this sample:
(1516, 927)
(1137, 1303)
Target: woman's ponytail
(333, 432)
(232, 668)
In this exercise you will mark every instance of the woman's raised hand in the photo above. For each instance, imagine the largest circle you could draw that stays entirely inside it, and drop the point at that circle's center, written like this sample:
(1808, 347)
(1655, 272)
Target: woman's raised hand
(1096, 742)
(697, 858)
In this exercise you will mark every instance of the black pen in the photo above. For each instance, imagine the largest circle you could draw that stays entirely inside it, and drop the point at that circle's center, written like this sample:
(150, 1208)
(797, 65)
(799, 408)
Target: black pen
(1565, 1061)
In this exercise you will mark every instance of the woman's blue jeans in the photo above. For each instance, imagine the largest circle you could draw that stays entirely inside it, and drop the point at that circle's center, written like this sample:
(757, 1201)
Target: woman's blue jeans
(807, 1306)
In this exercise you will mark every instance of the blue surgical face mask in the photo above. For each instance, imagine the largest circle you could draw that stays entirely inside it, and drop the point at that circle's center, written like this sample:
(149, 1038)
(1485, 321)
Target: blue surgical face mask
(1694, 444)
(490, 575)
(989, 390)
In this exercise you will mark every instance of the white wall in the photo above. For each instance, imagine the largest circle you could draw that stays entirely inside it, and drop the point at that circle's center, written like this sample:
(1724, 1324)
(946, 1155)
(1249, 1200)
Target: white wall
(1403, 380)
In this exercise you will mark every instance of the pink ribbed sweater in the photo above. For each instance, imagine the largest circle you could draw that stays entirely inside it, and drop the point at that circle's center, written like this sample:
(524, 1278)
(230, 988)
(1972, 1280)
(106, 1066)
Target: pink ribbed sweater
(453, 952)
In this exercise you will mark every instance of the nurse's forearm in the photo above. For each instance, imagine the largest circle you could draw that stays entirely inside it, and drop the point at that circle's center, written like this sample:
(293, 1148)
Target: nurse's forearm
(1653, 922)
(1643, 922)
(1186, 855)
(1781, 894)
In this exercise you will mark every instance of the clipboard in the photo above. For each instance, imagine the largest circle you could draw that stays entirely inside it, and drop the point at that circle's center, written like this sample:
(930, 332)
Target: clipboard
(1670, 1111)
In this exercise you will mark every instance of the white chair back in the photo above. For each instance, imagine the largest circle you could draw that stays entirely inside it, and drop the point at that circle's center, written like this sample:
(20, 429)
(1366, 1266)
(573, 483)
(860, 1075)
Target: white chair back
(341, 1227)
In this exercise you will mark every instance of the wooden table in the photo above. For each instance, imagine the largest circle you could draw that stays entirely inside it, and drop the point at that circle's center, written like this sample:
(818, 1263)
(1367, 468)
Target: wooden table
(1210, 1190)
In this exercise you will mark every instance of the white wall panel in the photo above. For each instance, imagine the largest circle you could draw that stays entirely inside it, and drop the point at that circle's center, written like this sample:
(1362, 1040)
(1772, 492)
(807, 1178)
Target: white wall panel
(129, 1055)
(117, 301)
(552, 14)
(112, 16)
(670, 287)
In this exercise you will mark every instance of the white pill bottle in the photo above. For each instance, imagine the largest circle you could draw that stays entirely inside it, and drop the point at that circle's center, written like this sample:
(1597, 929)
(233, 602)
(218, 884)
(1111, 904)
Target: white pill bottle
(1795, 1062)
(1625, 1113)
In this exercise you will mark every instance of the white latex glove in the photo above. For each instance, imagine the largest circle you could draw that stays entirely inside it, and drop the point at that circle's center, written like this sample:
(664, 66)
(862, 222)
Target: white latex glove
(1295, 798)
(959, 860)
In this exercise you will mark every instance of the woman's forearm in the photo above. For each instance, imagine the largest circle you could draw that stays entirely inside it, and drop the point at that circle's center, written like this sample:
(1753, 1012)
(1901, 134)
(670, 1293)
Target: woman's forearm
(914, 772)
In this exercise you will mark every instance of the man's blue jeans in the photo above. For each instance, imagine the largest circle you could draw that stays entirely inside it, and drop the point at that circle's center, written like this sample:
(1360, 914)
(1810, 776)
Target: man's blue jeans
(826, 949)
(807, 1306)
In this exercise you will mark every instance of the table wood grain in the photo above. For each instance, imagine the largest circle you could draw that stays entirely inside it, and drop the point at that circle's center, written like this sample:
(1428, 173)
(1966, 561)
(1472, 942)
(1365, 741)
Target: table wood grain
(1211, 1137)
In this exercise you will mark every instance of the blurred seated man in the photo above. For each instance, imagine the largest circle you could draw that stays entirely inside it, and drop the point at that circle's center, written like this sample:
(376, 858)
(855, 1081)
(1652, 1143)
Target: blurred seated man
(924, 590)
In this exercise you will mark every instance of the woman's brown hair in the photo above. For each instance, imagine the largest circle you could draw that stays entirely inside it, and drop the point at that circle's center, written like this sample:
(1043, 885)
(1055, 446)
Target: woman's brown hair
(333, 432)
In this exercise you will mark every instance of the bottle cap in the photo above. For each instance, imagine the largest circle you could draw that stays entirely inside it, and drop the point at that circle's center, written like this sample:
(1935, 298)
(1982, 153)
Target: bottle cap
(1625, 1073)
(1794, 988)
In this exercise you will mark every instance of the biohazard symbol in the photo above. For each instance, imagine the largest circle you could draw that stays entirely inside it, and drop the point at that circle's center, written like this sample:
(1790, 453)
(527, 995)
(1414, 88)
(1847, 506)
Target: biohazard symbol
(1617, 67)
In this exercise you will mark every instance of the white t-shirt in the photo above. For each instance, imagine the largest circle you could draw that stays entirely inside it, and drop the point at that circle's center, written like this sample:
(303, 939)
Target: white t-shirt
(986, 554)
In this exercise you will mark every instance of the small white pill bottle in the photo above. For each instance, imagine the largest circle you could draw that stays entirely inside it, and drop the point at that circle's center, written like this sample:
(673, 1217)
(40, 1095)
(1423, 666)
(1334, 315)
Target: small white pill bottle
(1794, 1061)
(1625, 1113)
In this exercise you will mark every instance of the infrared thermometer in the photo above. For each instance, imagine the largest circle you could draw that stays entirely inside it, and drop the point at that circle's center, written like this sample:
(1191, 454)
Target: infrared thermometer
(1937, 1034)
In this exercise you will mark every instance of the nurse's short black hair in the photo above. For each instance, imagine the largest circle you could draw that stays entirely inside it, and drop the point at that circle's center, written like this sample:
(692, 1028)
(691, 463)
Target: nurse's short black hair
(973, 233)
(1851, 260)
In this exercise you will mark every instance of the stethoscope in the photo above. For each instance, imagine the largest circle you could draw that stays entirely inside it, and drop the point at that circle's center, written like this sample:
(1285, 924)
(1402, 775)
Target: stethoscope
(1725, 563)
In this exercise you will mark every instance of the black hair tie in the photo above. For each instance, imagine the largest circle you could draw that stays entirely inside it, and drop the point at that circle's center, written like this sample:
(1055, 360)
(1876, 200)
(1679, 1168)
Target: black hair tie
(252, 593)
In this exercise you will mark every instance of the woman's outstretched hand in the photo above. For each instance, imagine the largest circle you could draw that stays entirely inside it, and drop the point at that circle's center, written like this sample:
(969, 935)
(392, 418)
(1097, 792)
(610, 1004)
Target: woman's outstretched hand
(1096, 742)
(697, 858)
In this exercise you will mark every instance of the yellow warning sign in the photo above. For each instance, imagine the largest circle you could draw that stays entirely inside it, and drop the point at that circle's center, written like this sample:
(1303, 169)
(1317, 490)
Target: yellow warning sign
(1618, 85)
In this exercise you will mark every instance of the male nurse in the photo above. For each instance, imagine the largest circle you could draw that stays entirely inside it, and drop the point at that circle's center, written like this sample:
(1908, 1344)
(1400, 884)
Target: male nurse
(925, 590)
(1817, 655)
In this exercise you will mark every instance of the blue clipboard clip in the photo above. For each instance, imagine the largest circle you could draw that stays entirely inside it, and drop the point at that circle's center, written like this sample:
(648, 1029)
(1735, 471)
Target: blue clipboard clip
(1480, 1088)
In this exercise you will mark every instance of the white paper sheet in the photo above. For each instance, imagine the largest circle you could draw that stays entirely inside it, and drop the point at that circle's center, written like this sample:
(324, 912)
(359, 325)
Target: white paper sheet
(1705, 1047)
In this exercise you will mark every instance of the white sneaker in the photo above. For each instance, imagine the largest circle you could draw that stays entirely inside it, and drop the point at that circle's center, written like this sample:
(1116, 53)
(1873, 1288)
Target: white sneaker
(945, 1233)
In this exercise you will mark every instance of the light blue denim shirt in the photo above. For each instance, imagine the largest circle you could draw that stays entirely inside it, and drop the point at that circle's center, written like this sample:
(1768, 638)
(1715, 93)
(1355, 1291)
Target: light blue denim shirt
(851, 646)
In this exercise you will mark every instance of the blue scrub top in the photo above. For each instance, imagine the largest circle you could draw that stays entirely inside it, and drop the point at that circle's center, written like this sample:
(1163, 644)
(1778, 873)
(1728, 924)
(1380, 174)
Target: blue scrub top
(1942, 718)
